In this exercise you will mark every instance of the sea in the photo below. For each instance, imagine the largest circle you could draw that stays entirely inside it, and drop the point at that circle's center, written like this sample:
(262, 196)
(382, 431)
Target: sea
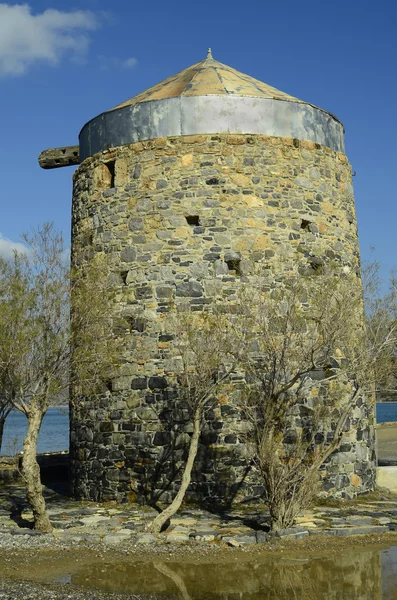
(53, 437)
(386, 412)
(54, 433)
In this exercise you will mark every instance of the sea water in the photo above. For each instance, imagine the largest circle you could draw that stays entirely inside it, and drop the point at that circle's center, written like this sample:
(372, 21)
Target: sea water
(386, 412)
(54, 432)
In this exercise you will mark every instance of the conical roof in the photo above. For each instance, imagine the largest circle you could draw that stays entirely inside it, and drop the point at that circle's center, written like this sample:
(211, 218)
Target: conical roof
(210, 97)
(205, 78)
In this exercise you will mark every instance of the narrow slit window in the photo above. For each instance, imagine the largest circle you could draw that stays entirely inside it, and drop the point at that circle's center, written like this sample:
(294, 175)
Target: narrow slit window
(110, 166)
(193, 220)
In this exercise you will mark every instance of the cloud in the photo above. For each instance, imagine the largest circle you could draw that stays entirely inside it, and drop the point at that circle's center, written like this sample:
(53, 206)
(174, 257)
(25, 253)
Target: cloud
(110, 62)
(27, 39)
(129, 63)
(7, 247)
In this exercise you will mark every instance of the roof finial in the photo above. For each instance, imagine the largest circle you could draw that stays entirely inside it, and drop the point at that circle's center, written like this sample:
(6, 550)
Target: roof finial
(209, 53)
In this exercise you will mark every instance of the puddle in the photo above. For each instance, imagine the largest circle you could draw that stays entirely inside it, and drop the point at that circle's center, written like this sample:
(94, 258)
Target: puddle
(359, 575)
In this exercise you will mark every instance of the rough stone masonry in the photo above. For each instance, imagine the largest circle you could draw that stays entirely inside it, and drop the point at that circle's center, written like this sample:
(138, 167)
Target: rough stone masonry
(190, 190)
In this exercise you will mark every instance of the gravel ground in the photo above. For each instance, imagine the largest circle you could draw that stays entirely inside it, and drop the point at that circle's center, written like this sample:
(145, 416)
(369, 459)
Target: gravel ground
(20, 590)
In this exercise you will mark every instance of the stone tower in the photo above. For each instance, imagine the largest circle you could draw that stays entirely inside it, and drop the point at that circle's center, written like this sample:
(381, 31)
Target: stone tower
(187, 188)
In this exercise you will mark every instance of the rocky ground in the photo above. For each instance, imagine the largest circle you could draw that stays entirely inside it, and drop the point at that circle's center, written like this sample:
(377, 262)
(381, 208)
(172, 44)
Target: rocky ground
(112, 526)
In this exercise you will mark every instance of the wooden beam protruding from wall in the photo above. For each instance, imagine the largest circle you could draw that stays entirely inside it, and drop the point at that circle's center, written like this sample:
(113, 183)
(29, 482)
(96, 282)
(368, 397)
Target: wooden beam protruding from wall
(55, 158)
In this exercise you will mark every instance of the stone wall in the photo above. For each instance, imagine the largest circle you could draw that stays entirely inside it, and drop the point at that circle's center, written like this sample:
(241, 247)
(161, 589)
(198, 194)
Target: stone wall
(190, 219)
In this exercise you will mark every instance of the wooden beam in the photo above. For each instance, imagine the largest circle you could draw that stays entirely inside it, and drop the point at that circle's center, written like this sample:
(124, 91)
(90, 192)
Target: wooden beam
(55, 158)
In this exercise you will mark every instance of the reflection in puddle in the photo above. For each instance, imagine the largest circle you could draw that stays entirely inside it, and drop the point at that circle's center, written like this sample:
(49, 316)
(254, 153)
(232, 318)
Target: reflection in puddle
(353, 576)
(389, 573)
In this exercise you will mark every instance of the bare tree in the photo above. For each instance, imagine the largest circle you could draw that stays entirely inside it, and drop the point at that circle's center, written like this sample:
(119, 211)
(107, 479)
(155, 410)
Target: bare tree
(380, 302)
(36, 335)
(34, 316)
(310, 358)
(203, 345)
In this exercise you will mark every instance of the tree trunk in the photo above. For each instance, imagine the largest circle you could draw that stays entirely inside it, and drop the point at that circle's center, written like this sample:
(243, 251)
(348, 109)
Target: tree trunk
(3, 415)
(31, 472)
(157, 524)
(177, 579)
(2, 422)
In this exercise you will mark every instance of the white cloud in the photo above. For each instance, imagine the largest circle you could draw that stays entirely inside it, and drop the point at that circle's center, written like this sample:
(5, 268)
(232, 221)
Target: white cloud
(129, 63)
(27, 39)
(8, 246)
(110, 62)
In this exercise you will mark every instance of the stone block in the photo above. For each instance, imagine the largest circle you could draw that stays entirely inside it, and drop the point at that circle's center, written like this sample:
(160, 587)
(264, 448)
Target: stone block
(261, 537)
(365, 530)
(191, 289)
(140, 383)
(146, 539)
(175, 538)
(292, 533)
(136, 224)
(121, 383)
(157, 383)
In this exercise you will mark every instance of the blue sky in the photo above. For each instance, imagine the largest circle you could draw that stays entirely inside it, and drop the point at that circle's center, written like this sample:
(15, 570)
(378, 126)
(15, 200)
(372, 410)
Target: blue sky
(63, 63)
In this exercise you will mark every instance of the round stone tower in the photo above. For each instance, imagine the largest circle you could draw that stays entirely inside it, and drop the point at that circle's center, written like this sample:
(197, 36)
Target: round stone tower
(189, 188)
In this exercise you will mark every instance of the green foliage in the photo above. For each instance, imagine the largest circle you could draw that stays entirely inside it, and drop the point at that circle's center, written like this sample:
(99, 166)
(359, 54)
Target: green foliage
(40, 338)
(34, 321)
(381, 327)
(309, 358)
(96, 352)
(204, 345)
(37, 333)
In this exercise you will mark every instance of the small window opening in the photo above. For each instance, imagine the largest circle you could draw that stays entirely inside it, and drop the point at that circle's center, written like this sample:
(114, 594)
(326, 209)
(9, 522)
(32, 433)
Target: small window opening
(234, 266)
(124, 275)
(136, 323)
(110, 166)
(193, 220)
(316, 265)
(212, 181)
(305, 225)
(88, 239)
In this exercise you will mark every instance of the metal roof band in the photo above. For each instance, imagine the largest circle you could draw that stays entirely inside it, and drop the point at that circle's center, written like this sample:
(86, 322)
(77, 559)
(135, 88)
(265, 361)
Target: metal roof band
(190, 115)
